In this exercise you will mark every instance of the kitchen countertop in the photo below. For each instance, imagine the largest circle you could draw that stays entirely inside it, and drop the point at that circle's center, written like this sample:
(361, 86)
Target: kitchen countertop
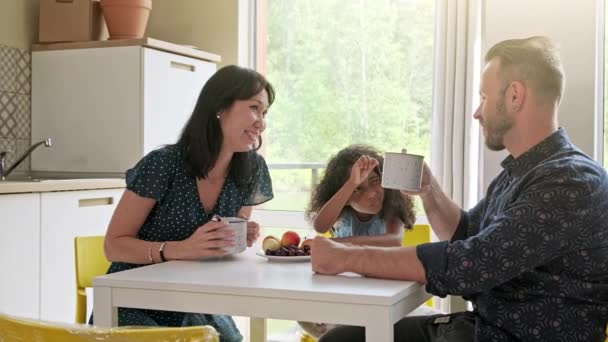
(49, 185)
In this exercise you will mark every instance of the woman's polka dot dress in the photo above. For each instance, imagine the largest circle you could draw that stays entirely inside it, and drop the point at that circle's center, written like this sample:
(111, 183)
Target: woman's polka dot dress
(178, 213)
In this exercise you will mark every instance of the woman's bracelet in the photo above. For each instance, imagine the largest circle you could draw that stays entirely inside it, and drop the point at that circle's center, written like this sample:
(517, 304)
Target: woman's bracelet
(150, 255)
(161, 251)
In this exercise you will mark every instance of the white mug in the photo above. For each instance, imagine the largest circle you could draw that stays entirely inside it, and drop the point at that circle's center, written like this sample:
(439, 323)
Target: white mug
(239, 225)
(402, 171)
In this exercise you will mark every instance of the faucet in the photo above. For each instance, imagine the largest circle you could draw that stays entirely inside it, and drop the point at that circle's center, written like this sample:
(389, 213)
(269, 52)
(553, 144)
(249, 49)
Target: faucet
(3, 174)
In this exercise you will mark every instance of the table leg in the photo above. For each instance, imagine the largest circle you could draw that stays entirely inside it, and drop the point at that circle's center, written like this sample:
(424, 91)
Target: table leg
(257, 329)
(104, 314)
(379, 331)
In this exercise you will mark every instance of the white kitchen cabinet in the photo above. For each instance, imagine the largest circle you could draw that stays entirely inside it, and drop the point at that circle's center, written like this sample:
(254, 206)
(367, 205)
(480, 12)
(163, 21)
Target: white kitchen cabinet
(20, 254)
(105, 108)
(65, 215)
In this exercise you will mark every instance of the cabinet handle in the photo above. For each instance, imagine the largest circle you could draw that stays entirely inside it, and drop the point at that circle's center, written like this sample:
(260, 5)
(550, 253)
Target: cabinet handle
(93, 202)
(65, 1)
(183, 66)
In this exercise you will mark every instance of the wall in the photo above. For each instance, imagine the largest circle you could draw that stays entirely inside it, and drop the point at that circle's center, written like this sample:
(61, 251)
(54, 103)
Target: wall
(572, 24)
(210, 25)
(18, 23)
(18, 30)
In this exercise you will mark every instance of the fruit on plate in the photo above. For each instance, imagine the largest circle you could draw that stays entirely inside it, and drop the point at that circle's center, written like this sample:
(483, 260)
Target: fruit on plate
(306, 244)
(290, 238)
(271, 243)
(289, 251)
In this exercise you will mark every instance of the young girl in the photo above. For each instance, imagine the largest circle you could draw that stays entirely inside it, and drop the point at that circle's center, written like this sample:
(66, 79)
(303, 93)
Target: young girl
(350, 202)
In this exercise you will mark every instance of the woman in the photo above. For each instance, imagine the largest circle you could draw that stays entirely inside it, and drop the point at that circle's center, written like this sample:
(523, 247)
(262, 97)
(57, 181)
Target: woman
(174, 192)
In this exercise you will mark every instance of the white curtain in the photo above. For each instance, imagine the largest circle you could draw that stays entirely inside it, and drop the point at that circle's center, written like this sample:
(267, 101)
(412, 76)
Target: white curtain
(455, 143)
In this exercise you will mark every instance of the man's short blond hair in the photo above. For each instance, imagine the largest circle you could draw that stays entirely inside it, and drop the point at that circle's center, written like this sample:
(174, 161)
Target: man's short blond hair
(535, 60)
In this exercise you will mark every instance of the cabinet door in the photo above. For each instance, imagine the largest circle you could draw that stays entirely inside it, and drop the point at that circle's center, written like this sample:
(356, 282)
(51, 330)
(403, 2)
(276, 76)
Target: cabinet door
(89, 102)
(65, 215)
(172, 84)
(20, 254)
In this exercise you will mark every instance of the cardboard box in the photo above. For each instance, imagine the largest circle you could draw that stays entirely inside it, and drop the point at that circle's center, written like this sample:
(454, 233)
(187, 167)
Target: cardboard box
(71, 21)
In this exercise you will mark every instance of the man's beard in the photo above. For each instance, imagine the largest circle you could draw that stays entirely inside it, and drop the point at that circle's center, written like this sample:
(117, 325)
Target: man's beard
(497, 127)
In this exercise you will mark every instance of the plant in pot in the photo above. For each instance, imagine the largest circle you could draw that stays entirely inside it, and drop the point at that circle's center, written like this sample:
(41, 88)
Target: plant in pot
(126, 19)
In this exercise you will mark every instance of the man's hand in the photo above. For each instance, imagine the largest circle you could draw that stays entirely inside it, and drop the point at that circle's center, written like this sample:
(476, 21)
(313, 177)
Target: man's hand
(425, 186)
(327, 256)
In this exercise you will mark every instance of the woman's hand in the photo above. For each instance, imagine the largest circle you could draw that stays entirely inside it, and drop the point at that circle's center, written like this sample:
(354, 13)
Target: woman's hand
(253, 232)
(361, 169)
(210, 240)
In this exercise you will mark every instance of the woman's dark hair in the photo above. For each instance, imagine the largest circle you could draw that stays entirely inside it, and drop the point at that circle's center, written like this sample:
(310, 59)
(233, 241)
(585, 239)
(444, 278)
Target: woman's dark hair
(337, 173)
(202, 137)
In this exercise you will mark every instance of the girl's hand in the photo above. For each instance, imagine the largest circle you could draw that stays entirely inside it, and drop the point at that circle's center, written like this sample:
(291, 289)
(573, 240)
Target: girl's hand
(253, 232)
(361, 169)
(209, 240)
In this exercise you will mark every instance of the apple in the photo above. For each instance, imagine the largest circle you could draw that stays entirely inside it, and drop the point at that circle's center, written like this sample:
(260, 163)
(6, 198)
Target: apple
(271, 242)
(290, 238)
(306, 242)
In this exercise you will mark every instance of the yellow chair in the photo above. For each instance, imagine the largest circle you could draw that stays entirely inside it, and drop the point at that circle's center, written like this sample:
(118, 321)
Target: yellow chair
(90, 263)
(420, 233)
(14, 329)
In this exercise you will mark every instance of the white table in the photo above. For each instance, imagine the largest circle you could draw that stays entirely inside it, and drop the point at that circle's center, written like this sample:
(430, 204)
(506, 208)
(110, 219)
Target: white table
(249, 285)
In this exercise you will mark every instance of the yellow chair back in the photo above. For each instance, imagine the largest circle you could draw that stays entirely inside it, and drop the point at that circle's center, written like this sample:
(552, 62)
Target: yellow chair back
(420, 233)
(14, 329)
(90, 263)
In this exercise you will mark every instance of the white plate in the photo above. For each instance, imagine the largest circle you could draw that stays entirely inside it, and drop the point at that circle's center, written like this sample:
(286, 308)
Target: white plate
(283, 258)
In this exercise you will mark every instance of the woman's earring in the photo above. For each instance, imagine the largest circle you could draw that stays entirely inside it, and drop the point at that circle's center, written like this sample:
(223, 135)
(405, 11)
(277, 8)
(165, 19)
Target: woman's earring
(217, 116)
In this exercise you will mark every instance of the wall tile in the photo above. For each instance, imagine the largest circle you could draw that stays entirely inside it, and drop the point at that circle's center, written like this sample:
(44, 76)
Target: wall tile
(15, 103)
(21, 147)
(8, 145)
(6, 109)
(15, 117)
(8, 69)
(23, 73)
(22, 116)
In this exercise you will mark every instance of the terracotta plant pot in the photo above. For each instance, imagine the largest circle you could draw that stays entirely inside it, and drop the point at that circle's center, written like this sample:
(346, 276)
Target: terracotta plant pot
(126, 19)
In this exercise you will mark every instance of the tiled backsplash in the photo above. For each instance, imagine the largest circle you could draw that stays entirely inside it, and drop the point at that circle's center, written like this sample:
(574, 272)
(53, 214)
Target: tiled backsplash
(15, 103)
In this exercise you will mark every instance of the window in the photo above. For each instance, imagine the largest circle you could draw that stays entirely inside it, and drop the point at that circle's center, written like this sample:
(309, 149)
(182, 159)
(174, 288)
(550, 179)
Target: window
(344, 72)
(603, 122)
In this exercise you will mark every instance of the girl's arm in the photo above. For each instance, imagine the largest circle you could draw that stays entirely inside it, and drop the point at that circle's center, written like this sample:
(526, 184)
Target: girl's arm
(330, 212)
(392, 238)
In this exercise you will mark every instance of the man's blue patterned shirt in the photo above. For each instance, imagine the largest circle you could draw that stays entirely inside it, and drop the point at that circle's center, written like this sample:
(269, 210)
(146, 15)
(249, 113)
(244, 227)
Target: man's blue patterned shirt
(532, 256)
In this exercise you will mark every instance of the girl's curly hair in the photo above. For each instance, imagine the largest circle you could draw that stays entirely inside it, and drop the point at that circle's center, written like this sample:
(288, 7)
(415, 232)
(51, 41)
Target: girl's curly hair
(337, 173)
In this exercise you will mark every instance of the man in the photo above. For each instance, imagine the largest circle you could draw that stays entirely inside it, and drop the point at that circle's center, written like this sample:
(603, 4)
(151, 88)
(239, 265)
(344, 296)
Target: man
(532, 256)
